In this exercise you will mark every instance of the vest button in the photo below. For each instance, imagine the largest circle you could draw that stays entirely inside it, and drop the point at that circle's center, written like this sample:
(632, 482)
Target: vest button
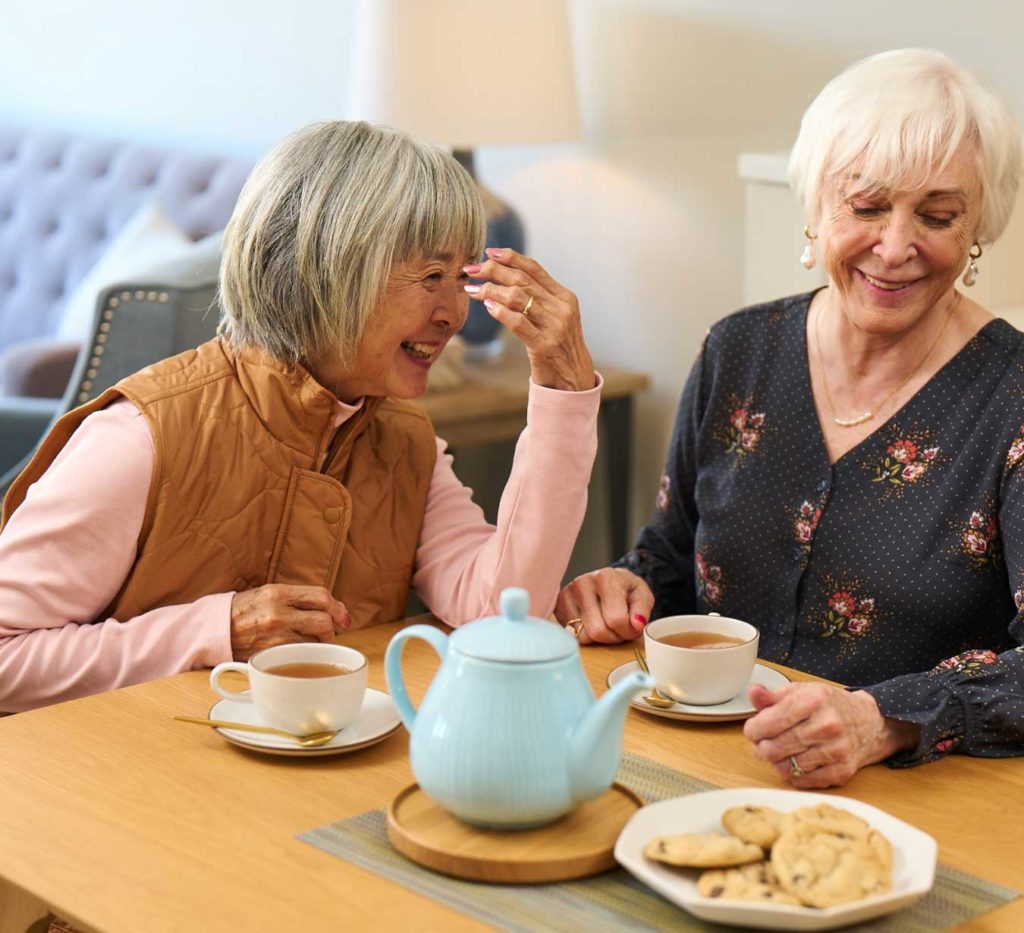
(332, 515)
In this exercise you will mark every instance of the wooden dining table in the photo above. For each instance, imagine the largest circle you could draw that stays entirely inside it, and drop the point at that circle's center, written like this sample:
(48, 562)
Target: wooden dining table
(115, 817)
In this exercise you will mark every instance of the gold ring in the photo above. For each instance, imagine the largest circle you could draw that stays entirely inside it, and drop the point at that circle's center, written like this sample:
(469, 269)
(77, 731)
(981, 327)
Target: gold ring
(526, 308)
(574, 625)
(794, 768)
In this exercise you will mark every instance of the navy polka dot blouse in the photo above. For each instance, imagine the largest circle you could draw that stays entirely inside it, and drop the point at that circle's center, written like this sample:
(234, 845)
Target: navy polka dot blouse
(898, 569)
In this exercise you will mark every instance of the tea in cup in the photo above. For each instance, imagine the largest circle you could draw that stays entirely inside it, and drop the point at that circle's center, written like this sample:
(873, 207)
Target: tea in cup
(301, 688)
(701, 660)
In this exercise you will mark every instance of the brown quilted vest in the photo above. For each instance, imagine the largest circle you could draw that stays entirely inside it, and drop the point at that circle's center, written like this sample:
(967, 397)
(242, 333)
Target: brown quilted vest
(236, 499)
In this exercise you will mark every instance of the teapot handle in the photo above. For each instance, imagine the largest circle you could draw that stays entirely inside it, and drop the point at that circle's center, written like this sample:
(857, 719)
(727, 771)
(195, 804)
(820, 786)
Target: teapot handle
(393, 666)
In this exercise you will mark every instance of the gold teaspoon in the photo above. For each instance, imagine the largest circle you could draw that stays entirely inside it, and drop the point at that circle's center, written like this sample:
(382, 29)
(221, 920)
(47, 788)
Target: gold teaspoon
(653, 698)
(313, 740)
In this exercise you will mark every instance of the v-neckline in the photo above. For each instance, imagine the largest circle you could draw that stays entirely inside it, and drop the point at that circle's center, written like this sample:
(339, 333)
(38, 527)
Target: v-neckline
(872, 437)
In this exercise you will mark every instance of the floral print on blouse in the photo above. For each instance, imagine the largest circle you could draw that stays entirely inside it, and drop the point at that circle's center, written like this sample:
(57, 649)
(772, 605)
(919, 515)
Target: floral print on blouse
(898, 569)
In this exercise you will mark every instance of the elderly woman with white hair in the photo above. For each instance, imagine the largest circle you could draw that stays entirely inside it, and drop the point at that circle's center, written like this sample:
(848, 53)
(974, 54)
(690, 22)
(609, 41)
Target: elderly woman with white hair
(274, 485)
(846, 467)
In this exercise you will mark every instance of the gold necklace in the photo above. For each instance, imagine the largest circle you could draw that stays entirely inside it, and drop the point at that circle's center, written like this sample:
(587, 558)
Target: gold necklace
(868, 415)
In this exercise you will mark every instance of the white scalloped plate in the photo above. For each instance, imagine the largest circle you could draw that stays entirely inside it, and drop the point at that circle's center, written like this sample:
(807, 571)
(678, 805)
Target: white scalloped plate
(913, 870)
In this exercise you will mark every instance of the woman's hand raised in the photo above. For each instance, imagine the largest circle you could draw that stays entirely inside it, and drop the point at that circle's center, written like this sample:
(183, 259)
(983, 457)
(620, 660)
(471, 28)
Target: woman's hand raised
(545, 316)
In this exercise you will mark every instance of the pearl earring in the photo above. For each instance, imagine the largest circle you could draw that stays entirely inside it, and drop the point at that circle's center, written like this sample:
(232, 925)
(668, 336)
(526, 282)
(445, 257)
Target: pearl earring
(807, 258)
(971, 272)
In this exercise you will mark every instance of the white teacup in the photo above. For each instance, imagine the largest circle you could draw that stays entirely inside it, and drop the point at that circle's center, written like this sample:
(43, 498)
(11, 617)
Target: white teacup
(300, 704)
(701, 676)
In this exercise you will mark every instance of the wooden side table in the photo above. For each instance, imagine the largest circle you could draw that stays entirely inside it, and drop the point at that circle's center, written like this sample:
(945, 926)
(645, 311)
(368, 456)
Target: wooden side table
(491, 407)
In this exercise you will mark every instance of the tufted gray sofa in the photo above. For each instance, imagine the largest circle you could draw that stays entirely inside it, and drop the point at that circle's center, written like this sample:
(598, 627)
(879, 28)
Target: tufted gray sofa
(63, 197)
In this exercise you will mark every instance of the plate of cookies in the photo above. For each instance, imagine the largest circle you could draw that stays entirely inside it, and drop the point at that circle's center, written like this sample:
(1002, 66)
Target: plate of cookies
(777, 859)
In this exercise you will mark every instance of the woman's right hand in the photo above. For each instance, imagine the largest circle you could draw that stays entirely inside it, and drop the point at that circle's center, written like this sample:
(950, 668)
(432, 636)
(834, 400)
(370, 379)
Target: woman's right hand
(613, 605)
(544, 315)
(281, 613)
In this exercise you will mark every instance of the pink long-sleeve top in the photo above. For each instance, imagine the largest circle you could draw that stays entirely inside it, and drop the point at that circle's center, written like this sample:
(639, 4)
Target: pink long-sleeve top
(68, 548)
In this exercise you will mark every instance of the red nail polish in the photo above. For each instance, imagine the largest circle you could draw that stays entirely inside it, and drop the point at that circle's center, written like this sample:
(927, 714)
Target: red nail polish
(641, 619)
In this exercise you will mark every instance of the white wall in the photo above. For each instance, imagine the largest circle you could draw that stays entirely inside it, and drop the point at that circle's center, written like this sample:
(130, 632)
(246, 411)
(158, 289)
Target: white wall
(643, 218)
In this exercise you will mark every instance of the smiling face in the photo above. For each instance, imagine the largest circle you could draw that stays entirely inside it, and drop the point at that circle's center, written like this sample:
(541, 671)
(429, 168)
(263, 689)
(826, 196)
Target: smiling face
(422, 306)
(893, 256)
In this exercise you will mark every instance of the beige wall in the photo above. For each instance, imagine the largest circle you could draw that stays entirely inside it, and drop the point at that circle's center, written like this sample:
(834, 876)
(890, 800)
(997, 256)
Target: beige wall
(644, 218)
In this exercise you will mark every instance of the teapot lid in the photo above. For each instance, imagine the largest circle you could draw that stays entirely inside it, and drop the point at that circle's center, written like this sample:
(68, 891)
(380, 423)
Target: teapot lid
(514, 636)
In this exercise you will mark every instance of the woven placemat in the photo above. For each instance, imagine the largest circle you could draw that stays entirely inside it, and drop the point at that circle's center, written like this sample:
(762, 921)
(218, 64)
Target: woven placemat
(615, 900)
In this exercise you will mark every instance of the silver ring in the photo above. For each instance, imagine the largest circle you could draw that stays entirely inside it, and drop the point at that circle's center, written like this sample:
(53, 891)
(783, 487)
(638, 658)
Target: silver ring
(526, 308)
(794, 768)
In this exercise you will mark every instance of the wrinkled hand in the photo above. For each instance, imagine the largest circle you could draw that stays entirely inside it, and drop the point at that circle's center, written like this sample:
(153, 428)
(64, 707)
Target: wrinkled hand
(551, 329)
(831, 733)
(613, 604)
(281, 613)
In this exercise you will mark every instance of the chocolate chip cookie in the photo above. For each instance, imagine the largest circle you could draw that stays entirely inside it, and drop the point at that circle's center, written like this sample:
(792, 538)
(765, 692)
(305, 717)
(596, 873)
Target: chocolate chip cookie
(710, 850)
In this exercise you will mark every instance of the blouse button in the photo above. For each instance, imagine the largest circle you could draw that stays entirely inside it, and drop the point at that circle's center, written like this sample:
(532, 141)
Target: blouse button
(331, 515)
(822, 486)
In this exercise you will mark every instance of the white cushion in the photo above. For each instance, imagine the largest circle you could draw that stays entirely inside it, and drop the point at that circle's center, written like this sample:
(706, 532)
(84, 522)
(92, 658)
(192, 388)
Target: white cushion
(149, 238)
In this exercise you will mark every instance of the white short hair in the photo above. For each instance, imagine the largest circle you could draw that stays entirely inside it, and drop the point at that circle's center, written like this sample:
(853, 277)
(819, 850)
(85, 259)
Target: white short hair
(896, 118)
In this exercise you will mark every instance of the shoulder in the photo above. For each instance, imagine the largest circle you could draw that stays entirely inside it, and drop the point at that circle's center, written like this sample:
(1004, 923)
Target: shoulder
(760, 325)
(1002, 338)
(177, 374)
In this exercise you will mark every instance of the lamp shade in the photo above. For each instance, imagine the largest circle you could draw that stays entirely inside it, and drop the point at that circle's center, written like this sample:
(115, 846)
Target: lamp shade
(463, 73)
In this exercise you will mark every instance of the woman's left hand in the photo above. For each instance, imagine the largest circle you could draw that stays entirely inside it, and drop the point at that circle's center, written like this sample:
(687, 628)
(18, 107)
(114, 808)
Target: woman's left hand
(545, 316)
(827, 733)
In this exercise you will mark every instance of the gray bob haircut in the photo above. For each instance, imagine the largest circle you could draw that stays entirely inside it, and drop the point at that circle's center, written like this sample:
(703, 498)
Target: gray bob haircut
(320, 223)
(894, 119)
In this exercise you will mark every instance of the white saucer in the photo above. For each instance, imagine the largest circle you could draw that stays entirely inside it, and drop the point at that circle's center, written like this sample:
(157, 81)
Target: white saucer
(737, 708)
(376, 721)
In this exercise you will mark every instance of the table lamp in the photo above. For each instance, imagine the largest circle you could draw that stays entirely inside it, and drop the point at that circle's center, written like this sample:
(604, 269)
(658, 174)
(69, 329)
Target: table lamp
(462, 73)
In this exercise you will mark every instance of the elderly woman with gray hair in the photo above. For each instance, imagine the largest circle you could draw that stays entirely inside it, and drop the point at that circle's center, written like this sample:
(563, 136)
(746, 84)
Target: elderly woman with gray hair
(847, 467)
(274, 485)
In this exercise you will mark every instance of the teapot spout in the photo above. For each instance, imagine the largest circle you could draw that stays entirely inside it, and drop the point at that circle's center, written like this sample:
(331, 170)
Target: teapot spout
(597, 738)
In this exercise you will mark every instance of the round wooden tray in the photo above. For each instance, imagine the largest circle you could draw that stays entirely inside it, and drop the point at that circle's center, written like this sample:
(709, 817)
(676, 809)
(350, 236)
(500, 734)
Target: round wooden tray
(579, 844)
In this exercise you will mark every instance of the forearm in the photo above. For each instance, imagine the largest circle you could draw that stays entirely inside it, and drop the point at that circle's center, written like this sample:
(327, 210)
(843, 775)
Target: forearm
(64, 556)
(463, 563)
(891, 736)
(48, 665)
(973, 704)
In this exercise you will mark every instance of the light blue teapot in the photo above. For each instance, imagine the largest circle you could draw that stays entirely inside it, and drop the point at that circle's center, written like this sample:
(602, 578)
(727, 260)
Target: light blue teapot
(509, 734)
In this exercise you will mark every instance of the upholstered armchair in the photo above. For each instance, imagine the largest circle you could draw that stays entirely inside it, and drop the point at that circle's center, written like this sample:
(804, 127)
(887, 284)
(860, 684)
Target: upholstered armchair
(137, 323)
(86, 291)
